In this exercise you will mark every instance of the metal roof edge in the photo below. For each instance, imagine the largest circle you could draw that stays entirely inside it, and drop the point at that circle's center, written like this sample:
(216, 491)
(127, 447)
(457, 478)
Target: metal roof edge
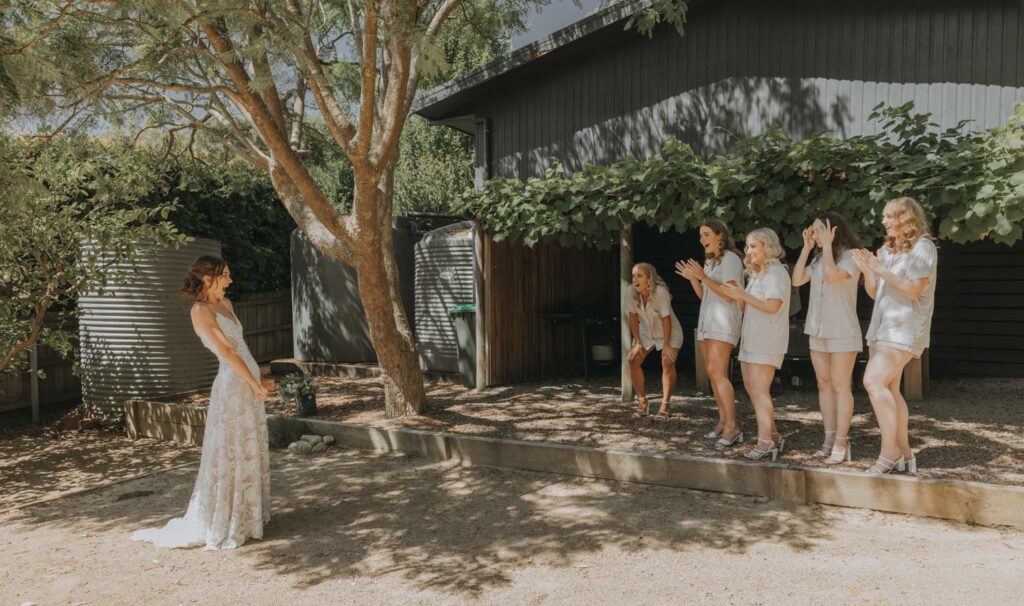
(523, 55)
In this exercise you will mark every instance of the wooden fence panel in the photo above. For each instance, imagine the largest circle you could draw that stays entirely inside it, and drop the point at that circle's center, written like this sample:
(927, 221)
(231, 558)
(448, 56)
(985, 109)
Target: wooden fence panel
(267, 321)
(59, 385)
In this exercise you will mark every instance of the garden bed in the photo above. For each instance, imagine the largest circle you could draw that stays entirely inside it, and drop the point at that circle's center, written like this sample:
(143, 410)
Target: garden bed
(967, 429)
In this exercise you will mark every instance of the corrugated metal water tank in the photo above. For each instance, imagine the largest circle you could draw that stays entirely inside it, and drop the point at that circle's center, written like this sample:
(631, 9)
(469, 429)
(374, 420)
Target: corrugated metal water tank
(444, 279)
(329, 322)
(137, 339)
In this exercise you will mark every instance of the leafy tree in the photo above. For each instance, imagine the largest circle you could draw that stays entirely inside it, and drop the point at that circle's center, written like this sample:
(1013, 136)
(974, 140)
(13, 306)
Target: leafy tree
(229, 201)
(245, 75)
(67, 214)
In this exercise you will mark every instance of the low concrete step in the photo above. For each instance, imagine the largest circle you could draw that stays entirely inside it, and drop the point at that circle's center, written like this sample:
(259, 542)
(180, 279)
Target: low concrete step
(284, 366)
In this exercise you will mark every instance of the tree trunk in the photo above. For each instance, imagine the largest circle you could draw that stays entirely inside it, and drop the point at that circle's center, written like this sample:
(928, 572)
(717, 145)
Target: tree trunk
(377, 274)
(391, 334)
(373, 257)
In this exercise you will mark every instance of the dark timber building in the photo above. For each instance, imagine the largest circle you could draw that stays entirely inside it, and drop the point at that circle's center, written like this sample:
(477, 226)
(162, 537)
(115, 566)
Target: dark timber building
(596, 93)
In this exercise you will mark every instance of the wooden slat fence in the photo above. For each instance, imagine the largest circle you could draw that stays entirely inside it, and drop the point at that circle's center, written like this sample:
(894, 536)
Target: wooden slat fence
(267, 320)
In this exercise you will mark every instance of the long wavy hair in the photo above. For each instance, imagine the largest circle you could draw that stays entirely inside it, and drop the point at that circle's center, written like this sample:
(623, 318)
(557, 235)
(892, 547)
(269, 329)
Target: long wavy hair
(772, 247)
(912, 224)
(206, 266)
(720, 229)
(845, 238)
(656, 281)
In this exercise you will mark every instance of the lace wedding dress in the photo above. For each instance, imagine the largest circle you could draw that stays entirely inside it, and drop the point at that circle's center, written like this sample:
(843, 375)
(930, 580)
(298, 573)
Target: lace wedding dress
(231, 498)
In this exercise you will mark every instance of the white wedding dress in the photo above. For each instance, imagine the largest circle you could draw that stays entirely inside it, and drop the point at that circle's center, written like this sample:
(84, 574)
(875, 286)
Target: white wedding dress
(231, 498)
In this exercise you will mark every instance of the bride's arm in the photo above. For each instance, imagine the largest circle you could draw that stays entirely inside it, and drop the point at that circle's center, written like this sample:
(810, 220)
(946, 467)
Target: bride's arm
(205, 324)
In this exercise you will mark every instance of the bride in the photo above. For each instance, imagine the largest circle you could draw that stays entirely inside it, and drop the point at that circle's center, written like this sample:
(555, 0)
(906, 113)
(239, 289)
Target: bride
(231, 498)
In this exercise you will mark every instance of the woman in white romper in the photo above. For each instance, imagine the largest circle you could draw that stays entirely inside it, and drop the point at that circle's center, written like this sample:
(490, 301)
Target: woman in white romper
(653, 324)
(901, 280)
(718, 326)
(832, 325)
(765, 332)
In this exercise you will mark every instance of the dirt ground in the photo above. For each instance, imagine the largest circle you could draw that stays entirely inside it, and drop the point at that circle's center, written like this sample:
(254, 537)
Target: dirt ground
(41, 462)
(356, 528)
(970, 429)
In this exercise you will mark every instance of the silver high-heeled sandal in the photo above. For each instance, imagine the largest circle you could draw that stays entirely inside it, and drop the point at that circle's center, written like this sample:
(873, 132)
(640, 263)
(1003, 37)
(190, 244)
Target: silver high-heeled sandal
(884, 466)
(909, 466)
(758, 453)
(642, 412)
(840, 455)
(712, 435)
(727, 442)
(826, 446)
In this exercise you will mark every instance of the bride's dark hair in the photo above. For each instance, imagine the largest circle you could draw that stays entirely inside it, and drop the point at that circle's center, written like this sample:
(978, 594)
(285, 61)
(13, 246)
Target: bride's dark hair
(203, 267)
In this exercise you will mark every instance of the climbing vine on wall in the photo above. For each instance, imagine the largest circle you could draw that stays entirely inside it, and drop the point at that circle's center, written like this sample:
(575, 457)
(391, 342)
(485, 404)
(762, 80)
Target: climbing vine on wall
(971, 183)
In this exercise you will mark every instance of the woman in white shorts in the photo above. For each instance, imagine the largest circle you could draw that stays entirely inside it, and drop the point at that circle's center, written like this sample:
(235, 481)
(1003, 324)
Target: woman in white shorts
(718, 326)
(653, 324)
(901, 280)
(764, 333)
(832, 325)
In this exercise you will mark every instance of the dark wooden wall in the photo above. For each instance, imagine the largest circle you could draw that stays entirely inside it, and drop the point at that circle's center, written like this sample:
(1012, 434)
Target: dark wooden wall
(808, 65)
(978, 328)
(523, 286)
(742, 65)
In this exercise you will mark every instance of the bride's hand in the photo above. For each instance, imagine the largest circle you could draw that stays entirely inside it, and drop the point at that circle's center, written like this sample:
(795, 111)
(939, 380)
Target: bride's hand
(261, 391)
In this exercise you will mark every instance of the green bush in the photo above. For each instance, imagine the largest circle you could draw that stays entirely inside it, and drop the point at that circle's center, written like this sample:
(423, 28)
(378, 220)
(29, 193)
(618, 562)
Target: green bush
(971, 183)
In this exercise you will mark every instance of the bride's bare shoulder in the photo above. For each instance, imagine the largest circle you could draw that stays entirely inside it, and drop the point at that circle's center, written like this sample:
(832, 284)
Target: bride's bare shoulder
(201, 313)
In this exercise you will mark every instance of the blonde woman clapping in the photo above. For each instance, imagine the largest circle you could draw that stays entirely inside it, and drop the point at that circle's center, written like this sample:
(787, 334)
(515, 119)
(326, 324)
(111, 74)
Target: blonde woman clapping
(901, 280)
(765, 332)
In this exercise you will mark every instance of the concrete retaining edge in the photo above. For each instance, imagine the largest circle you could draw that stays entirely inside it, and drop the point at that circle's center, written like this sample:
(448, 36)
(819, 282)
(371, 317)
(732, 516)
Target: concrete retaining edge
(958, 500)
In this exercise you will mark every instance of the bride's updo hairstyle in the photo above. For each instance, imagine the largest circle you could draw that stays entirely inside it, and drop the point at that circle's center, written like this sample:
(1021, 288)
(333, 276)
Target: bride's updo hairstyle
(206, 266)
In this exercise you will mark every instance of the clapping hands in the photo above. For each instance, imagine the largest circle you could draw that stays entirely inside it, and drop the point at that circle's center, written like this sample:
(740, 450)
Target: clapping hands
(733, 290)
(690, 270)
(866, 261)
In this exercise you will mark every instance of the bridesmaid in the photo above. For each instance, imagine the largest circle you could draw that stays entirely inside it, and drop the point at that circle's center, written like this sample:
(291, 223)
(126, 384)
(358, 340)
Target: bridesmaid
(901, 280)
(718, 326)
(653, 325)
(832, 325)
(765, 332)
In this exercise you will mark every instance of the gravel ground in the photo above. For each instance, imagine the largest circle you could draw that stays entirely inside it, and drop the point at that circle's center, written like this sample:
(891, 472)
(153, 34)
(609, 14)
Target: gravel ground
(41, 462)
(970, 429)
(356, 528)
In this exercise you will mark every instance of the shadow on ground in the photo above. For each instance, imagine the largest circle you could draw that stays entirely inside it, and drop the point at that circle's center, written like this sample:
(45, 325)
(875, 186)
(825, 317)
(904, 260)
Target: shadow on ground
(439, 525)
(965, 428)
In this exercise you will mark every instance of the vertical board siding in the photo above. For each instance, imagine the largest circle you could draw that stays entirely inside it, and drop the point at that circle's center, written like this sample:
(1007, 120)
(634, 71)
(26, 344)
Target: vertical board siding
(267, 321)
(523, 286)
(746, 64)
(59, 385)
(742, 66)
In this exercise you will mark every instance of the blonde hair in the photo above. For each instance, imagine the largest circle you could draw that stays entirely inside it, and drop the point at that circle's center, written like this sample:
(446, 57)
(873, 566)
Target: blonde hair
(772, 248)
(912, 225)
(656, 281)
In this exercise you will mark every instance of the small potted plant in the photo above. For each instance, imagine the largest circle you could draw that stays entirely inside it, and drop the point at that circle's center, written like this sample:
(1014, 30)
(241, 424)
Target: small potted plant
(300, 387)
